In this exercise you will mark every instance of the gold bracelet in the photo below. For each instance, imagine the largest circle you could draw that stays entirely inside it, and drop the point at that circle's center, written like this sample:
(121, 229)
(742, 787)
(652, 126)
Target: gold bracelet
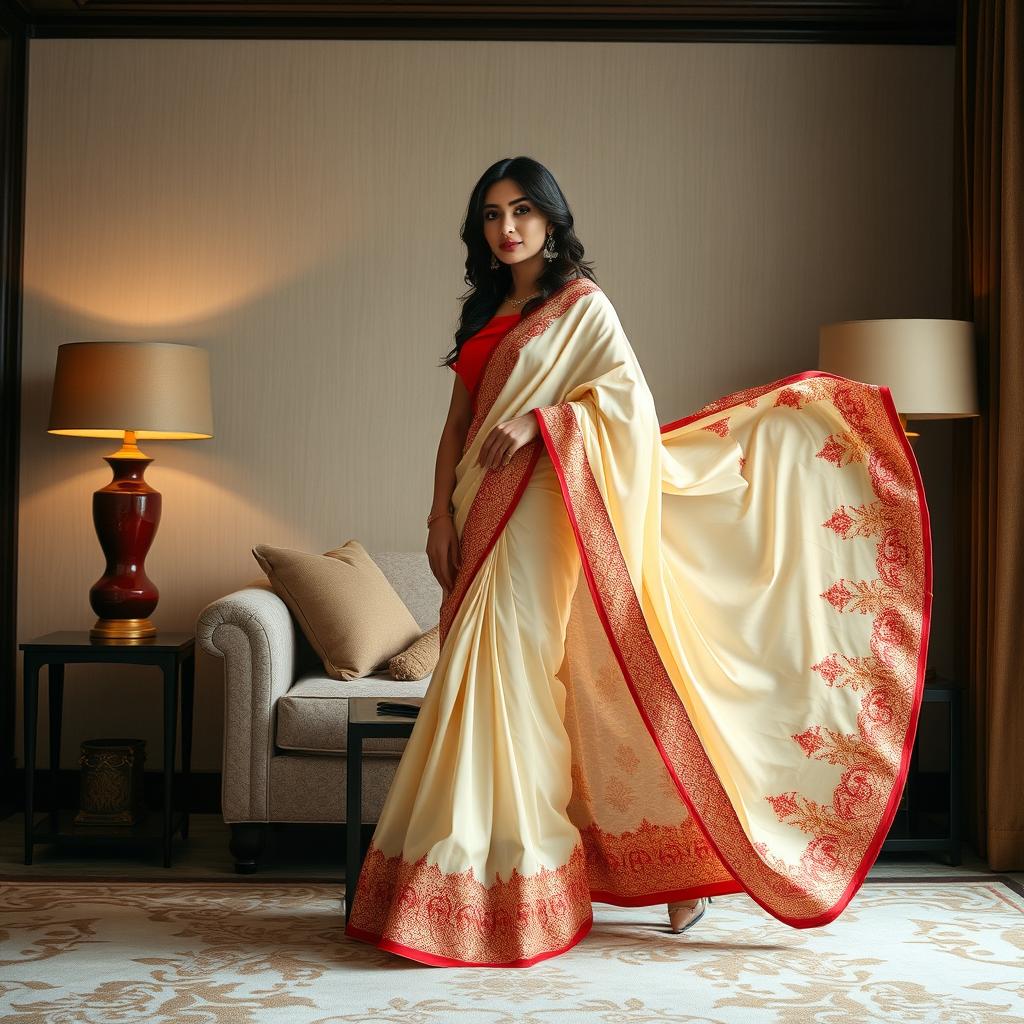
(437, 515)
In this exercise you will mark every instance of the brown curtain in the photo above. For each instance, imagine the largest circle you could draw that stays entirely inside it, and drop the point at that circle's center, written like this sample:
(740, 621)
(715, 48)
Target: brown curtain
(989, 290)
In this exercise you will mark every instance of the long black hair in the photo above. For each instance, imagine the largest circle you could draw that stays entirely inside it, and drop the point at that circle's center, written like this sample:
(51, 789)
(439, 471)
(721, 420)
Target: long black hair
(489, 287)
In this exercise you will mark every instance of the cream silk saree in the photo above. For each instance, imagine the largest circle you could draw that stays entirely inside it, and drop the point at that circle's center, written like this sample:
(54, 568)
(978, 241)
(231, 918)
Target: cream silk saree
(677, 660)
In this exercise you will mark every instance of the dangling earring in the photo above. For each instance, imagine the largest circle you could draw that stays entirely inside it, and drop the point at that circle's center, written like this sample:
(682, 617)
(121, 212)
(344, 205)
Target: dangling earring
(494, 262)
(548, 252)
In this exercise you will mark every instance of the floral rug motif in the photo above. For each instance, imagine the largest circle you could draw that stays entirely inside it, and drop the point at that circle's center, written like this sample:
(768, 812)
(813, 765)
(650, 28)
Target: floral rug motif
(255, 953)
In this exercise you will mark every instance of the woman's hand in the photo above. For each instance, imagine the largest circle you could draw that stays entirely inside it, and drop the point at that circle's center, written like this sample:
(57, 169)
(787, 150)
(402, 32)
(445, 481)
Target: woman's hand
(506, 439)
(443, 551)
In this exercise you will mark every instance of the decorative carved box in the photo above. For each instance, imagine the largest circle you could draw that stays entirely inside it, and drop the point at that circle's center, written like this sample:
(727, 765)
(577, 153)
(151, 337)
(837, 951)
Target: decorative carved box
(111, 782)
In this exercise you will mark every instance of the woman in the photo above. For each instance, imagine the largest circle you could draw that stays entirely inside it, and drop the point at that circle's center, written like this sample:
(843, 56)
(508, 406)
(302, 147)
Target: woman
(676, 661)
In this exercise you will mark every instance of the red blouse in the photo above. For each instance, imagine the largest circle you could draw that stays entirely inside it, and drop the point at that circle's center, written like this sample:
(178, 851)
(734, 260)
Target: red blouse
(474, 352)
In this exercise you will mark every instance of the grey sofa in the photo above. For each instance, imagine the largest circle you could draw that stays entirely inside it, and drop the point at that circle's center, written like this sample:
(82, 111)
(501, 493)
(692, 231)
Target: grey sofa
(285, 720)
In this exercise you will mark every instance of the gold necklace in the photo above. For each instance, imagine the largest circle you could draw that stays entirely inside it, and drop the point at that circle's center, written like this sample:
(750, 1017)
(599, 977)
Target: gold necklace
(519, 302)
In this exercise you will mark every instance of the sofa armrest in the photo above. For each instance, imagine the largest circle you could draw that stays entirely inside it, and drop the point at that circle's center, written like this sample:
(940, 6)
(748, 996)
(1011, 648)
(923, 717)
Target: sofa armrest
(253, 631)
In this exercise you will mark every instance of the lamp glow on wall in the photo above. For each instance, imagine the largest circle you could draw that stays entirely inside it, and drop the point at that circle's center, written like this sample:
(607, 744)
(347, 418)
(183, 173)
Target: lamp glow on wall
(131, 391)
(927, 364)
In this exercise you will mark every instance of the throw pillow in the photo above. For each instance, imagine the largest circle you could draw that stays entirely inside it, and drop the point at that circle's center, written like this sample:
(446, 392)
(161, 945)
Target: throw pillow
(344, 604)
(419, 658)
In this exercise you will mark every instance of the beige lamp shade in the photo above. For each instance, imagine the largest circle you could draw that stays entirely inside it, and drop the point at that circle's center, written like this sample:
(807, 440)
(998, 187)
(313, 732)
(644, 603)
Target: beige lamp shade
(928, 365)
(159, 389)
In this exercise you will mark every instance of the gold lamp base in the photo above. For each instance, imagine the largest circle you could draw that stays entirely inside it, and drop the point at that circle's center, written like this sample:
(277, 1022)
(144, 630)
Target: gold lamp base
(122, 629)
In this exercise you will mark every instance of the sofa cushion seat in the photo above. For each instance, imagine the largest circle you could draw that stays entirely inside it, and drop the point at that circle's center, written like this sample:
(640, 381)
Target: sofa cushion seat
(312, 717)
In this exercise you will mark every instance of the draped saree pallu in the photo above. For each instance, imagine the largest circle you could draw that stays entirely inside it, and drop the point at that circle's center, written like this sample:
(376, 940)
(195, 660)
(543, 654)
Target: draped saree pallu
(676, 661)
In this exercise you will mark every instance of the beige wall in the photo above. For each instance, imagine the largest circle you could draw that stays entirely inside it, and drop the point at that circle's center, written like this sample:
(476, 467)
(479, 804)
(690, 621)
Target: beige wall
(293, 206)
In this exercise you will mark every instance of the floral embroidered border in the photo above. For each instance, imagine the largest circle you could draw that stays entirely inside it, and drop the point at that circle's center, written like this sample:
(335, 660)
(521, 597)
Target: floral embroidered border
(644, 866)
(422, 912)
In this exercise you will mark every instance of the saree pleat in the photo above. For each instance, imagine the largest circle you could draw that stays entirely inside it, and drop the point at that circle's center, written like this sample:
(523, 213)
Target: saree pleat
(485, 777)
(676, 661)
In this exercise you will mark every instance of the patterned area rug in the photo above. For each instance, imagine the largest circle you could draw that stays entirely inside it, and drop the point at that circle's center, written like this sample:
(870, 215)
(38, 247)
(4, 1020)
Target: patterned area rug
(947, 951)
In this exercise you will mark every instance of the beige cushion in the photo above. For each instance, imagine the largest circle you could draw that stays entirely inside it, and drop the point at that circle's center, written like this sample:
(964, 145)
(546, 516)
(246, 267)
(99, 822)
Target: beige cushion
(419, 658)
(344, 604)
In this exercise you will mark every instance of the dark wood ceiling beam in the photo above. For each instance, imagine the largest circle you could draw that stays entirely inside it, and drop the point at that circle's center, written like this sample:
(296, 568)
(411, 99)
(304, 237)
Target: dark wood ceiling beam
(843, 21)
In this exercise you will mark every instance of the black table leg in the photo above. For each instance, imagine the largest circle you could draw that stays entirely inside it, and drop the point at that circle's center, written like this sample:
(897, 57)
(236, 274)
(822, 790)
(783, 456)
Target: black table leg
(170, 736)
(55, 672)
(31, 701)
(353, 818)
(188, 672)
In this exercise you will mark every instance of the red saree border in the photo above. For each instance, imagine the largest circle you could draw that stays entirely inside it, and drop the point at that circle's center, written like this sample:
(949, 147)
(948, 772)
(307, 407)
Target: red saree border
(417, 909)
(884, 825)
(434, 960)
(644, 865)
(498, 494)
(644, 671)
(503, 357)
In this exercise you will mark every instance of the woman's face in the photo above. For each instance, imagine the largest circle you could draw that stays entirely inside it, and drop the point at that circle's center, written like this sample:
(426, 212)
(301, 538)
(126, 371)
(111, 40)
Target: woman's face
(508, 214)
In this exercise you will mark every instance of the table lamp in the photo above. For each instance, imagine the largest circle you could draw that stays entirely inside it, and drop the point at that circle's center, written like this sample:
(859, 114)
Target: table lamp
(928, 365)
(131, 391)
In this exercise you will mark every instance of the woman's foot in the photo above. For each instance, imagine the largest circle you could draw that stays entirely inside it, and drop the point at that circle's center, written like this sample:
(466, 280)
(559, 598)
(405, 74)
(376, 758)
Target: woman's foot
(683, 914)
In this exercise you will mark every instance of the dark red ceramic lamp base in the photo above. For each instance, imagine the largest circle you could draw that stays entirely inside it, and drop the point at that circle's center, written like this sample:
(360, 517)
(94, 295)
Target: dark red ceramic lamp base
(126, 514)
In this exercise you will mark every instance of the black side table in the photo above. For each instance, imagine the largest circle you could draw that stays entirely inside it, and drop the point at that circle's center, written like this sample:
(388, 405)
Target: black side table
(172, 653)
(363, 722)
(928, 817)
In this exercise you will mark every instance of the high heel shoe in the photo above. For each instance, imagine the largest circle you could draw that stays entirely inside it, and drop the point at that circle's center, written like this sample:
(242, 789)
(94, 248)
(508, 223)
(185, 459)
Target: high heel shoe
(683, 916)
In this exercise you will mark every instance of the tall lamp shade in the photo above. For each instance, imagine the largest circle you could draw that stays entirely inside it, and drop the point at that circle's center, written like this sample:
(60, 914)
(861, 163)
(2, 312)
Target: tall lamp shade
(927, 364)
(131, 391)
